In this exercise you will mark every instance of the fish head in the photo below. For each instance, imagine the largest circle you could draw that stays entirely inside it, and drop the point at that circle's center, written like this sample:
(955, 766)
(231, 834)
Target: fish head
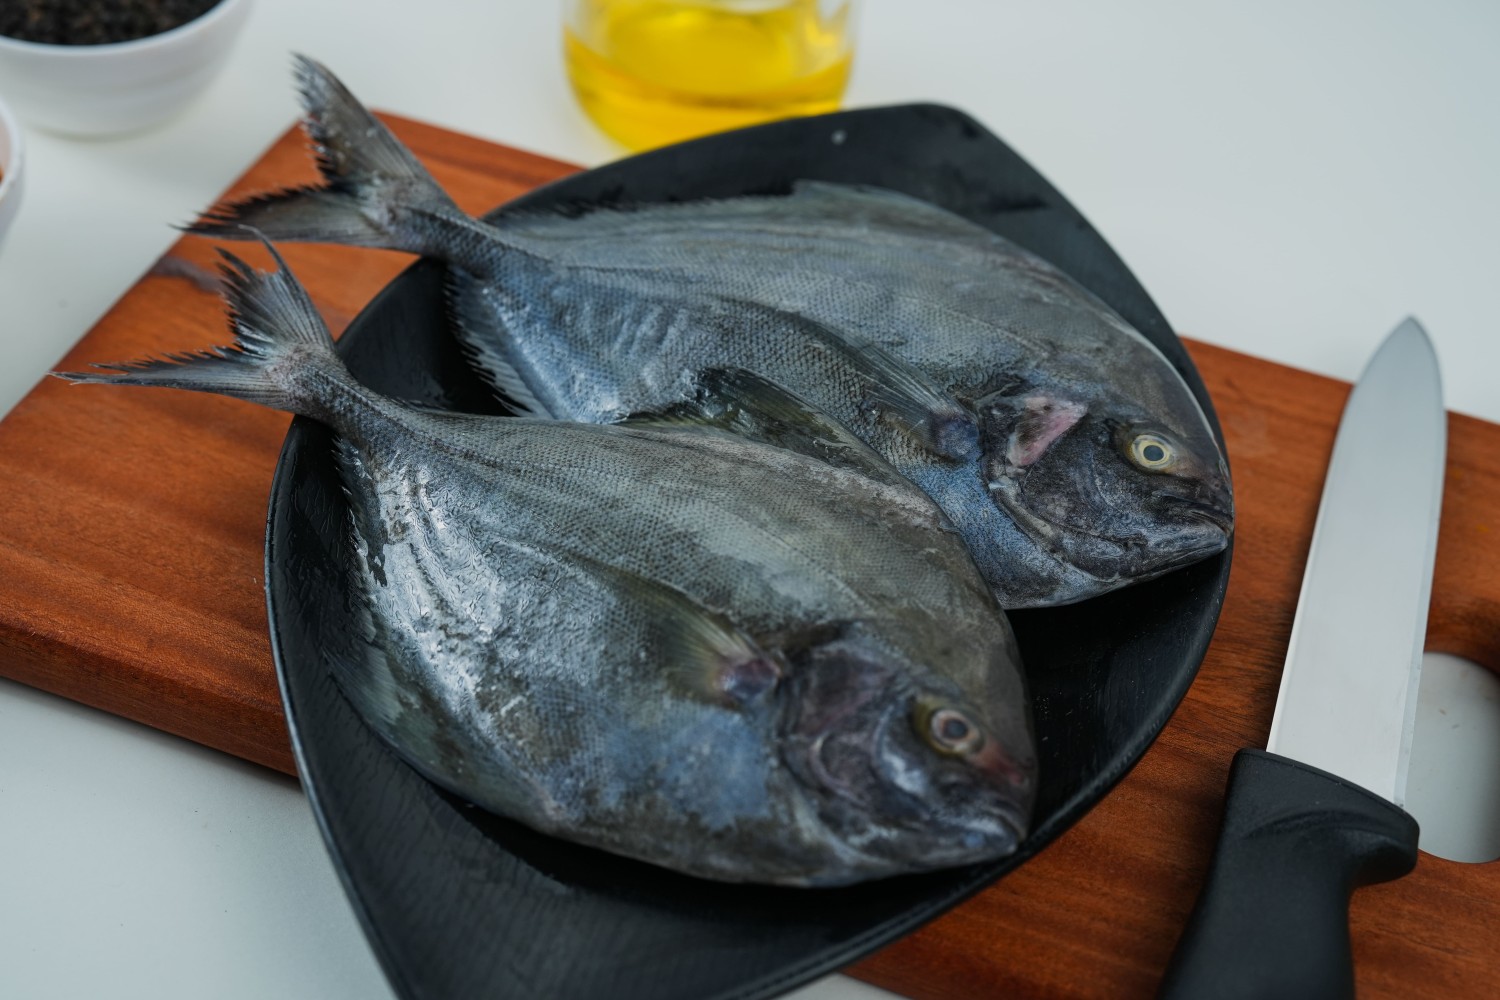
(905, 771)
(1123, 482)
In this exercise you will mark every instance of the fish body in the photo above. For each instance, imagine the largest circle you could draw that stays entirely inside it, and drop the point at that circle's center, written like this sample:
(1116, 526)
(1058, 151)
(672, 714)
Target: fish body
(995, 335)
(663, 640)
(1066, 450)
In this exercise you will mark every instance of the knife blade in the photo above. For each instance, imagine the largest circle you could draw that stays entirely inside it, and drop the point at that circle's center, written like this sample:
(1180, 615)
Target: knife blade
(1318, 812)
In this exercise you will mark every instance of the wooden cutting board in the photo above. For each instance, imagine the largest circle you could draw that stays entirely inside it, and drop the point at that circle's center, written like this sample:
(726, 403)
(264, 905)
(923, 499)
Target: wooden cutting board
(131, 580)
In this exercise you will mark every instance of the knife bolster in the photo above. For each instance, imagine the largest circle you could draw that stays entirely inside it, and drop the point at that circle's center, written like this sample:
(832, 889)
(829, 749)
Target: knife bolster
(1273, 917)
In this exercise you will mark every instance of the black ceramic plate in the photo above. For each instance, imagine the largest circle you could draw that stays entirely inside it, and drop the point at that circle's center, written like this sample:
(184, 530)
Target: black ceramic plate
(459, 903)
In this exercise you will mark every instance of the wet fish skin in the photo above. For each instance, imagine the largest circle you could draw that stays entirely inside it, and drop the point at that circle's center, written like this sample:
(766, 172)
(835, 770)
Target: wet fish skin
(666, 641)
(1016, 399)
(1036, 357)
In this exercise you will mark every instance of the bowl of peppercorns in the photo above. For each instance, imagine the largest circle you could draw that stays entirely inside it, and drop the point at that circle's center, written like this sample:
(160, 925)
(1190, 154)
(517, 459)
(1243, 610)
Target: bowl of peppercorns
(109, 67)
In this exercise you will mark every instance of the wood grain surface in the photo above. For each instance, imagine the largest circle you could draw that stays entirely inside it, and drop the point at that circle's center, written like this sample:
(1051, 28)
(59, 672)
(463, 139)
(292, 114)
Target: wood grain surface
(131, 580)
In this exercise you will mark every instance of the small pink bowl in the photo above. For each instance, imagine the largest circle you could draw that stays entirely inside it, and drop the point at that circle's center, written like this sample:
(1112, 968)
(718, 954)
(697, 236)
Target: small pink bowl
(11, 163)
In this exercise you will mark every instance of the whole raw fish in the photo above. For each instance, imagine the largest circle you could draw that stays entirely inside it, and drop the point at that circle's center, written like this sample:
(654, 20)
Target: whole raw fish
(670, 642)
(1066, 449)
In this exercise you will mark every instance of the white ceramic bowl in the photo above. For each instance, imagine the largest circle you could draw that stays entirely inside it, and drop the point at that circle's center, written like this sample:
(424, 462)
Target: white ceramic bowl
(99, 90)
(11, 166)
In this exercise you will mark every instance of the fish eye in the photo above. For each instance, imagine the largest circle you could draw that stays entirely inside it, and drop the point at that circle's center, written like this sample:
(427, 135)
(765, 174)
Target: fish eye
(952, 732)
(1152, 452)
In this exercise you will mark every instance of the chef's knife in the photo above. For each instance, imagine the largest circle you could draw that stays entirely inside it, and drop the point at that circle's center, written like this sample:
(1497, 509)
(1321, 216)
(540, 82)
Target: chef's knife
(1318, 812)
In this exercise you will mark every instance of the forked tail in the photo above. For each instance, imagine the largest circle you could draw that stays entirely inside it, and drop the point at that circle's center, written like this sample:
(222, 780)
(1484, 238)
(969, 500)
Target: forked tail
(375, 193)
(282, 356)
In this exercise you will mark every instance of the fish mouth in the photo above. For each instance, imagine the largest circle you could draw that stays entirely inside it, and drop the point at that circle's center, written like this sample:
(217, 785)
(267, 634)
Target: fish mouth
(1208, 513)
(979, 814)
(1048, 533)
(999, 834)
(1203, 529)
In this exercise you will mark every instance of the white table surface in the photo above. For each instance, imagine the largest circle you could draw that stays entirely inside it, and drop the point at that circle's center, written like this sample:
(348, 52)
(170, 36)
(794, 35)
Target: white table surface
(1286, 178)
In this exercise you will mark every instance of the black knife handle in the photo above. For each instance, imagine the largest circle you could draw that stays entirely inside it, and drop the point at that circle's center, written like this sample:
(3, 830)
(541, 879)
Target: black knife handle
(1272, 921)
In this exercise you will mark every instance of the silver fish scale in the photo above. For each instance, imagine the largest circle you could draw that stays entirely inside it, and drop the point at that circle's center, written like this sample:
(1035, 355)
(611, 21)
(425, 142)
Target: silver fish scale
(660, 342)
(657, 638)
(946, 295)
(618, 312)
(516, 658)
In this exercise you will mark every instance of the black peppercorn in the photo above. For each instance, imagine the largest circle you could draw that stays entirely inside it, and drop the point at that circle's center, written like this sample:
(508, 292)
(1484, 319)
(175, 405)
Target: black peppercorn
(95, 22)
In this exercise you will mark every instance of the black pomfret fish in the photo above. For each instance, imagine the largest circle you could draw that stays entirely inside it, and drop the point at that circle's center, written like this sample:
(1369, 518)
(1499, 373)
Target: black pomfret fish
(666, 641)
(1068, 452)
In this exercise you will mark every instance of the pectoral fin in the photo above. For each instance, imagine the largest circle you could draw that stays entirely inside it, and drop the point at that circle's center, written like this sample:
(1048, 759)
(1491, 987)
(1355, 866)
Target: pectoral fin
(706, 653)
(698, 650)
(748, 406)
(909, 401)
(892, 390)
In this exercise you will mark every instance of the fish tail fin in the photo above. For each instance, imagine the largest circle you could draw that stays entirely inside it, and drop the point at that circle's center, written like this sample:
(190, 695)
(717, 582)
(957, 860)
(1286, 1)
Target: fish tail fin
(279, 339)
(375, 193)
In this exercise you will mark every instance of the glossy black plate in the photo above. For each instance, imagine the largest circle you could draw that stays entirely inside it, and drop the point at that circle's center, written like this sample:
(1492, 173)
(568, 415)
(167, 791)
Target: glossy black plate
(459, 903)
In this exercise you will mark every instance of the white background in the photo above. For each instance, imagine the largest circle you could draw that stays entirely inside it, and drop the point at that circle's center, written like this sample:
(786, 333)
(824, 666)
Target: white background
(1286, 178)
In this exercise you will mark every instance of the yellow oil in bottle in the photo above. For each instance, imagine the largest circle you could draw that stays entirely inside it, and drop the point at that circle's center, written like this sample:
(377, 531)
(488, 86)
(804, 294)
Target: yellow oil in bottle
(651, 72)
